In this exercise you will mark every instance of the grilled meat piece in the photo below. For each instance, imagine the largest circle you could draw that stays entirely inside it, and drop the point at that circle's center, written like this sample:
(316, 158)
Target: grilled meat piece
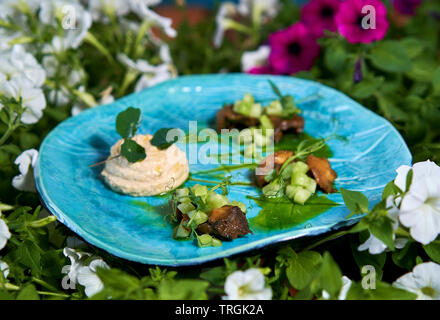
(294, 124)
(322, 172)
(227, 118)
(229, 222)
(277, 159)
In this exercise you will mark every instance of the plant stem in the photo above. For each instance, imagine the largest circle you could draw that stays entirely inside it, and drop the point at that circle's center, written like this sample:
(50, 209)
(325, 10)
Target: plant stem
(330, 237)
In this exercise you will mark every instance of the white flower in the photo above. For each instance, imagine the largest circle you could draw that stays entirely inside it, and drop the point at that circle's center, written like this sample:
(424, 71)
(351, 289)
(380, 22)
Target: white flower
(421, 170)
(4, 268)
(151, 75)
(26, 162)
(226, 11)
(141, 8)
(257, 58)
(424, 281)
(88, 278)
(6, 37)
(101, 9)
(376, 246)
(75, 262)
(146, 81)
(73, 18)
(5, 235)
(32, 98)
(346, 284)
(247, 285)
(420, 207)
(267, 8)
(18, 63)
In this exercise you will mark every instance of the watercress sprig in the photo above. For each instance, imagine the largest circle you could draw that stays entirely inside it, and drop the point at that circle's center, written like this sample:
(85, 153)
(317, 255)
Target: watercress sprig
(287, 101)
(127, 123)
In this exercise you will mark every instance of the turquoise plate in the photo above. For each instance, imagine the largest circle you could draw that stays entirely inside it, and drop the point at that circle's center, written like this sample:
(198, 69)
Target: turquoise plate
(365, 160)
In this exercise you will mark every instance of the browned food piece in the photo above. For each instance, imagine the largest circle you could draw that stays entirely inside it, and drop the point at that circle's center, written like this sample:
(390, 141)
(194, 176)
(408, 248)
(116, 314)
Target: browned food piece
(228, 222)
(295, 124)
(205, 227)
(277, 159)
(227, 118)
(322, 172)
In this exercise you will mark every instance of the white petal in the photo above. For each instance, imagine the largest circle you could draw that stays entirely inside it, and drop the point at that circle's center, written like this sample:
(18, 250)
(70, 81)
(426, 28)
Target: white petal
(4, 268)
(255, 58)
(400, 179)
(374, 245)
(25, 161)
(5, 235)
(346, 284)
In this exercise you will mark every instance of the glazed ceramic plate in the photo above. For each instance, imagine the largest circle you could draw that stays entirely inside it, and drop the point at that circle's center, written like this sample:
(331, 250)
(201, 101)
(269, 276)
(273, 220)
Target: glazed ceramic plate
(365, 157)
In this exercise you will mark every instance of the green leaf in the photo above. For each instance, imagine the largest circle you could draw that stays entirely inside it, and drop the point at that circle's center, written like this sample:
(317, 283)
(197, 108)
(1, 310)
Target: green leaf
(216, 275)
(383, 291)
(275, 89)
(28, 254)
(363, 258)
(390, 190)
(381, 227)
(335, 57)
(127, 122)
(433, 251)
(422, 69)
(406, 257)
(436, 82)
(281, 213)
(118, 285)
(390, 56)
(367, 87)
(132, 151)
(28, 293)
(160, 140)
(355, 201)
(412, 46)
(302, 268)
(185, 289)
(330, 276)
(389, 107)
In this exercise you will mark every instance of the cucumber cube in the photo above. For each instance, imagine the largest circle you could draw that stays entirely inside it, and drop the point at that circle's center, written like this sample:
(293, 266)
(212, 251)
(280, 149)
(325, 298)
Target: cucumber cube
(274, 108)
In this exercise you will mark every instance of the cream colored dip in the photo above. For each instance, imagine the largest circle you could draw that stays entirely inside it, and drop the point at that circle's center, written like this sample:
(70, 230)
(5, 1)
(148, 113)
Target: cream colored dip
(159, 172)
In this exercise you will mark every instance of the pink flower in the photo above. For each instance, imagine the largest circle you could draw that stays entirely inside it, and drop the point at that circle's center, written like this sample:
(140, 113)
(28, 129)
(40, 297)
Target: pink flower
(293, 49)
(407, 7)
(261, 70)
(319, 15)
(350, 20)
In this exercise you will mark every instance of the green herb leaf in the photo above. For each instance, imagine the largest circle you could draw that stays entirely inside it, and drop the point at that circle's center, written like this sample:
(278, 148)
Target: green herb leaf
(275, 89)
(127, 122)
(330, 276)
(160, 140)
(383, 291)
(132, 151)
(302, 268)
(433, 251)
(355, 201)
(381, 227)
(390, 56)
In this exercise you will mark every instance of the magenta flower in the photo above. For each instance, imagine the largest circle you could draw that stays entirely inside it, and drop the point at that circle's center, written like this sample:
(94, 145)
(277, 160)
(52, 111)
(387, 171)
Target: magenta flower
(406, 6)
(293, 49)
(350, 20)
(261, 70)
(319, 15)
